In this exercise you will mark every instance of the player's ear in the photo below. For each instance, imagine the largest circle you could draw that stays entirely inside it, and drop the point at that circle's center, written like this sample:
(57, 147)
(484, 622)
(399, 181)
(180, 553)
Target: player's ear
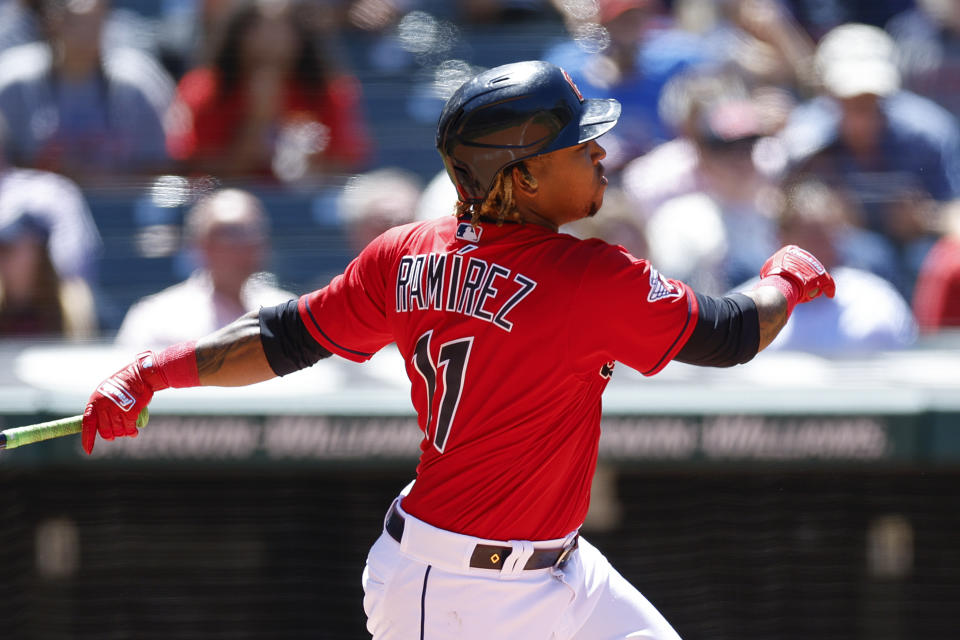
(523, 179)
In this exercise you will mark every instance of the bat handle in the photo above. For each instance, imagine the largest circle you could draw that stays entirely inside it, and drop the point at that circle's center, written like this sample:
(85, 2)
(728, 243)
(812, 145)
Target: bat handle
(20, 436)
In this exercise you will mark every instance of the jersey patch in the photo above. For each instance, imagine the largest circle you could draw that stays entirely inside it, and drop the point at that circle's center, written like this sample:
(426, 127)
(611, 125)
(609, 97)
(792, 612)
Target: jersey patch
(466, 231)
(661, 288)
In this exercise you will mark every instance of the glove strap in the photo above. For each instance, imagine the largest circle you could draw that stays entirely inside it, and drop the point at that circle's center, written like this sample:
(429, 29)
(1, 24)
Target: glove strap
(177, 365)
(787, 287)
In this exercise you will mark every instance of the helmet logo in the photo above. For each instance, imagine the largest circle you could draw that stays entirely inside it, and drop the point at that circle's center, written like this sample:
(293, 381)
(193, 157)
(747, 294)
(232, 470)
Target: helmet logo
(573, 85)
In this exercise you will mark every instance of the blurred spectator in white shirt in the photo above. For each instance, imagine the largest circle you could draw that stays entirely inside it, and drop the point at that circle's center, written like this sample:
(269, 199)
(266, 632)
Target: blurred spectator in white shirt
(716, 228)
(74, 241)
(373, 202)
(230, 232)
(867, 314)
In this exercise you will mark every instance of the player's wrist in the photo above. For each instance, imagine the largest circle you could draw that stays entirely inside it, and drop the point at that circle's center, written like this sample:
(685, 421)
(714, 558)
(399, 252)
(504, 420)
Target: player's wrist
(175, 366)
(790, 289)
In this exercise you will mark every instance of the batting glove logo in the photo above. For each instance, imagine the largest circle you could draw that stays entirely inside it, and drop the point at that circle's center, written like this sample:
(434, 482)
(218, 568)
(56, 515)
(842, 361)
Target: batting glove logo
(118, 395)
(806, 256)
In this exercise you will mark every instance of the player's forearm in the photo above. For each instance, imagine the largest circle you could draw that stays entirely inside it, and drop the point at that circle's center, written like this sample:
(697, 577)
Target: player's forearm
(771, 312)
(233, 356)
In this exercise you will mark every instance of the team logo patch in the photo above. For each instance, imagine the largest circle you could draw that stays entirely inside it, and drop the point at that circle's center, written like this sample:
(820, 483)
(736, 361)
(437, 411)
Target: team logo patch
(466, 231)
(120, 396)
(661, 288)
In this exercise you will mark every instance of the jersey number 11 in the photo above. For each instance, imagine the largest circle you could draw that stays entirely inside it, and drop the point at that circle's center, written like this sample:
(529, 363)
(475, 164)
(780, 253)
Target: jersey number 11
(452, 359)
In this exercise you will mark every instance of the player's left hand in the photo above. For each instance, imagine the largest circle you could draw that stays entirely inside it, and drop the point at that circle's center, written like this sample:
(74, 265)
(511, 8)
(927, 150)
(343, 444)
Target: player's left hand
(113, 407)
(802, 269)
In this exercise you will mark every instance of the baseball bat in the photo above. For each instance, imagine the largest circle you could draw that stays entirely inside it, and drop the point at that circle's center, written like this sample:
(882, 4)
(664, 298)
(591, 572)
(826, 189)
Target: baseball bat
(19, 436)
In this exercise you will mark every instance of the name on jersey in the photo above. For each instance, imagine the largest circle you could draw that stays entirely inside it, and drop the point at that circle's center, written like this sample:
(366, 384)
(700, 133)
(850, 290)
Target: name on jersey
(459, 283)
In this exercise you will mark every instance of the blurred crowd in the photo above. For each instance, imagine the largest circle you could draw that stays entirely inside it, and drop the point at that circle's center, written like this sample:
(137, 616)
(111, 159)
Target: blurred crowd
(747, 124)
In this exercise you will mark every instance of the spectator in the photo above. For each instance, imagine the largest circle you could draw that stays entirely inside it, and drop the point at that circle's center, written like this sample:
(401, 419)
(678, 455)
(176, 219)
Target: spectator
(760, 39)
(867, 313)
(627, 53)
(892, 149)
(228, 229)
(718, 230)
(80, 110)
(671, 169)
(270, 104)
(936, 301)
(376, 201)
(928, 37)
(18, 23)
(34, 300)
(60, 206)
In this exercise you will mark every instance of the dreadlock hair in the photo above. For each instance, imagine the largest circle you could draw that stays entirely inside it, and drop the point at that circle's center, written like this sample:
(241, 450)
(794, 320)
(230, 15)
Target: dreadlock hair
(498, 205)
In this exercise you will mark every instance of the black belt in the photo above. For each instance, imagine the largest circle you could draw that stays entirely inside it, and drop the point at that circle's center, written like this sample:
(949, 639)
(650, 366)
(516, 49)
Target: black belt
(489, 556)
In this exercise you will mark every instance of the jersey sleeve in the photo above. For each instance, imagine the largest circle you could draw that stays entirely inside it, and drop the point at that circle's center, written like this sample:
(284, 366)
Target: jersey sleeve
(348, 317)
(626, 310)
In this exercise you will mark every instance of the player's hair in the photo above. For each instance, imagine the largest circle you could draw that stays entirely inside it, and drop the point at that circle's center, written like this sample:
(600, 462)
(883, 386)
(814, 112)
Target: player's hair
(499, 204)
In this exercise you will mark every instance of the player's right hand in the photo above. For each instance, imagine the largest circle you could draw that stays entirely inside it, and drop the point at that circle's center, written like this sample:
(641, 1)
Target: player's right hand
(113, 407)
(802, 269)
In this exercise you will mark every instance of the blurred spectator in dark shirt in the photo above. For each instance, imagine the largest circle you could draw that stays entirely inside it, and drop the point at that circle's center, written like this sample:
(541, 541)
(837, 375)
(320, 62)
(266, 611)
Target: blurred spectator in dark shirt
(628, 50)
(77, 109)
(34, 300)
(936, 300)
(867, 313)
(270, 104)
(928, 37)
(890, 148)
(228, 231)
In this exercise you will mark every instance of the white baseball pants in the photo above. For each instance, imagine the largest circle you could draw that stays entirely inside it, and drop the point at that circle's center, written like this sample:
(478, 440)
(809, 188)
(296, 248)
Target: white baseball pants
(423, 587)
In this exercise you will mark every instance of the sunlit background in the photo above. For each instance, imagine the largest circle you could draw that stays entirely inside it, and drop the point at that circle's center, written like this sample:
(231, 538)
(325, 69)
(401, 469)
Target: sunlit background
(167, 165)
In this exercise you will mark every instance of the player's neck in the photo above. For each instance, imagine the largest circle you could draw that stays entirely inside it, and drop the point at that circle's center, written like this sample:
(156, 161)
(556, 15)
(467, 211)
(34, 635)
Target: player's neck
(531, 216)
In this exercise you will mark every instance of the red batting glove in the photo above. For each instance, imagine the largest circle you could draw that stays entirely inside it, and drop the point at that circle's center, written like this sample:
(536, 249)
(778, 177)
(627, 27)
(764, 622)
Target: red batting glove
(115, 405)
(798, 275)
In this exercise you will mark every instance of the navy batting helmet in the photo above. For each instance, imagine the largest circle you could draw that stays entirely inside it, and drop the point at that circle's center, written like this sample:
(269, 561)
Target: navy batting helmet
(510, 113)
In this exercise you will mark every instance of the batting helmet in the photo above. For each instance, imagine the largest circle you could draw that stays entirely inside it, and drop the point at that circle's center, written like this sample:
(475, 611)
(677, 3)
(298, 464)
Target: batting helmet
(510, 113)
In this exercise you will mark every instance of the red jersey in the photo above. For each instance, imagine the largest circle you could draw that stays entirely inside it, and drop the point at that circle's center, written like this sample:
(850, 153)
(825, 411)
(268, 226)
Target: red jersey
(509, 335)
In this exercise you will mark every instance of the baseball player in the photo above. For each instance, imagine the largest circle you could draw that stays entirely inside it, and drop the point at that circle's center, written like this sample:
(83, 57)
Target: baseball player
(510, 331)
